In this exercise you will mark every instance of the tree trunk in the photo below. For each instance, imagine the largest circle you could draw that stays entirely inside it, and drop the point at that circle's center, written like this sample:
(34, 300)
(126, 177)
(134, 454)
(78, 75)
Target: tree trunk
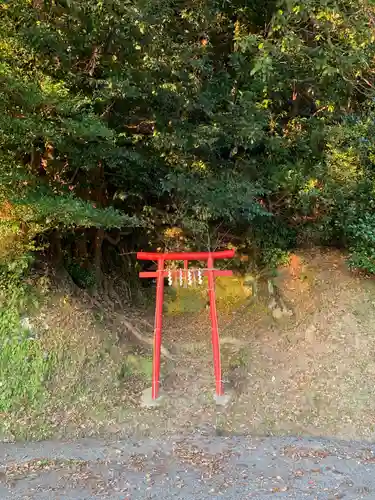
(80, 247)
(56, 248)
(98, 243)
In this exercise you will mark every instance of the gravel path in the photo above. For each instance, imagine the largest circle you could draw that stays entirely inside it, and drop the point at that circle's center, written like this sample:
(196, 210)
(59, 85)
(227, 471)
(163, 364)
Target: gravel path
(188, 467)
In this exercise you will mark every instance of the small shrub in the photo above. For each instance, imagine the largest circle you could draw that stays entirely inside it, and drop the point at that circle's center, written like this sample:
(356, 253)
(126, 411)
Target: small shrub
(83, 277)
(24, 367)
(362, 248)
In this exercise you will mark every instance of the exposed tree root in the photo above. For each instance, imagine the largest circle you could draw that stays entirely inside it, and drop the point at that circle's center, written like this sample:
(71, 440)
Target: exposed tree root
(142, 338)
(232, 341)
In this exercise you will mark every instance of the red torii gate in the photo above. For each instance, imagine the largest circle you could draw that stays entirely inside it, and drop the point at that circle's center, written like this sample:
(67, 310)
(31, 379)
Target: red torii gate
(162, 273)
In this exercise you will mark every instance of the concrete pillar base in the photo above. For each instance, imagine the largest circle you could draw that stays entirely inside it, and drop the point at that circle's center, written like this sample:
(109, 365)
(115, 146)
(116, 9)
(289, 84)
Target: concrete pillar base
(224, 399)
(147, 401)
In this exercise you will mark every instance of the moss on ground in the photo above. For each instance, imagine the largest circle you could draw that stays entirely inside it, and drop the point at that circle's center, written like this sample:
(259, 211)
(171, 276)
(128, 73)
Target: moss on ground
(231, 293)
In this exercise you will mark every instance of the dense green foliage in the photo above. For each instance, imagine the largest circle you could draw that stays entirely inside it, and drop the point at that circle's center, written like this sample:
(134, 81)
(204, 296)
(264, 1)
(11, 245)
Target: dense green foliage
(237, 122)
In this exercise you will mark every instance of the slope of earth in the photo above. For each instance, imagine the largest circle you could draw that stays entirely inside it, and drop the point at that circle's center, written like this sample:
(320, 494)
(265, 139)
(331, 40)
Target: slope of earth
(311, 374)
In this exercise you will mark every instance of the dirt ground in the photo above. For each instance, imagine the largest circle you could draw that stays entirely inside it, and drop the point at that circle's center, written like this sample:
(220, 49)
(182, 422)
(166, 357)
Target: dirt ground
(311, 374)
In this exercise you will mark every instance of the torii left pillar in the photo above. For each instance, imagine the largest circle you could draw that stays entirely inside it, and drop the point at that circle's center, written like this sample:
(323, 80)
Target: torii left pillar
(151, 397)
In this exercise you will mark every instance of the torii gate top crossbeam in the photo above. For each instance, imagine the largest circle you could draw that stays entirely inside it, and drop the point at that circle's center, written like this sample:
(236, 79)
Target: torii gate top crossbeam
(223, 254)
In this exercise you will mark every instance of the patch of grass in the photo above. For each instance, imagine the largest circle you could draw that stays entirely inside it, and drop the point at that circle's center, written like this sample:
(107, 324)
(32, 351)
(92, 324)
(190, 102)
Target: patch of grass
(184, 300)
(24, 371)
(234, 357)
(24, 365)
(231, 293)
(135, 367)
(240, 359)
